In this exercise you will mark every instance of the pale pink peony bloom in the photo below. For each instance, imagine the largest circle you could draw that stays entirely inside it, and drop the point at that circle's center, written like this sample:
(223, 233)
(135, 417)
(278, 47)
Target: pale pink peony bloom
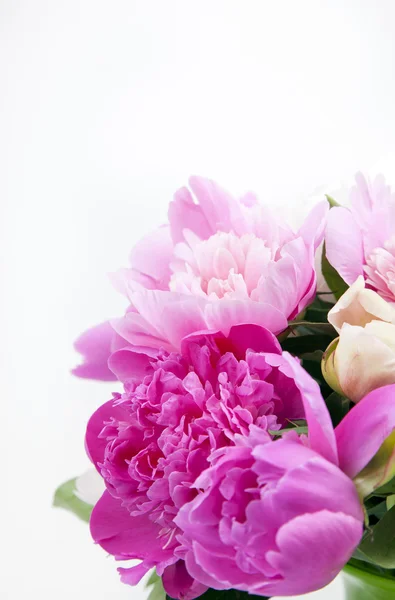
(360, 240)
(218, 263)
(363, 358)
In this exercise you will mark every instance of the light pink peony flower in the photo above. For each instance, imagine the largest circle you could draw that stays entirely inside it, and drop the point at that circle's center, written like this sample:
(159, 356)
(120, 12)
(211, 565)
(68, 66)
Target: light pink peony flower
(360, 240)
(152, 442)
(218, 263)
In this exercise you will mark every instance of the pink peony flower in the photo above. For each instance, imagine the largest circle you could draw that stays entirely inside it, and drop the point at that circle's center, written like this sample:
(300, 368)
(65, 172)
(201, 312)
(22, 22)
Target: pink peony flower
(280, 518)
(360, 240)
(151, 443)
(272, 519)
(218, 263)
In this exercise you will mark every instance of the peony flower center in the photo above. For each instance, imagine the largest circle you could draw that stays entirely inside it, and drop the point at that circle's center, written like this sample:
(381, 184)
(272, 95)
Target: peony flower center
(224, 265)
(380, 270)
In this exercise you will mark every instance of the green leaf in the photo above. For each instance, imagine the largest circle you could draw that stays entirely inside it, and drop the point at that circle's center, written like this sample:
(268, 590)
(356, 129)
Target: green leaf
(302, 344)
(331, 201)
(314, 326)
(379, 543)
(335, 283)
(338, 407)
(359, 555)
(155, 582)
(227, 595)
(66, 498)
(298, 425)
(387, 489)
(317, 311)
(379, 470)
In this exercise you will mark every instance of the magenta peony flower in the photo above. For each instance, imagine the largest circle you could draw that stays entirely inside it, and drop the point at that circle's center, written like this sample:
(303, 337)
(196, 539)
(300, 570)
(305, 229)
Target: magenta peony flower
(219, 262)
(360, 240)
(273, 519)
(282, 518)
(151, 443)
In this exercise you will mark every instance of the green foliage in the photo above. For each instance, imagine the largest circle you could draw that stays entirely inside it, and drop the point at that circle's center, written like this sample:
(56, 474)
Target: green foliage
(336, 284)
(155, 583)
(338, 407)
(378, 545)
(66, 498)
(331, 201)
(317, 311)
(306, 344)
(387, 489)
(227, 595)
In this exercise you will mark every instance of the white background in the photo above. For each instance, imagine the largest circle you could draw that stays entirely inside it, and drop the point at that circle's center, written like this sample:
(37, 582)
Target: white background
(106, 107)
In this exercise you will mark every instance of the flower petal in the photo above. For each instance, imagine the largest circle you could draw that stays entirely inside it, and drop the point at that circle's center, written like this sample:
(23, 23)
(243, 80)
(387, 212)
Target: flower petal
(320, 429)
(313, 228)
(178, 583)
(184, 214)
(94, 444)
(364, 429)
(95, 347)
(131, 362)
(223, 314)
(150, 258)
(127, 537)
(343, 242)
(312, 550)
(362, 361)
(359, 306)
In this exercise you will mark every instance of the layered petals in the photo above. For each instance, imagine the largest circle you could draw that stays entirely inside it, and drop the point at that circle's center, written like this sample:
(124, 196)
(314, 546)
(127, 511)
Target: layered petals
(363, 357)
(126, 538)
(260, 518)
(178, 412)
(364, 429)
(360, 239)
(95, 346)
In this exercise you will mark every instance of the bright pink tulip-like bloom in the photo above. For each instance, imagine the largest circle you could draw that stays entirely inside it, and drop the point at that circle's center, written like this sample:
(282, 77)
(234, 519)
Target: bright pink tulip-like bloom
(192, 468)
(219, 262)
(360, 240)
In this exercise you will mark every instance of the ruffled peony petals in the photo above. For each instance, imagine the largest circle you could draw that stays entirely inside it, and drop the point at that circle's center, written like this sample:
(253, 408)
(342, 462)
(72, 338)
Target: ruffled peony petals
(373, 206)
(178, 583)
(364, 429)
(136, 330)
(94, 444)
(95, 345)
(343, 241)
(173, 316)
(312, 550)
(127, 537)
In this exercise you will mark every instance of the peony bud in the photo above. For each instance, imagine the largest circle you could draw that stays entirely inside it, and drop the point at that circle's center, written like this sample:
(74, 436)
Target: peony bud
(359, 306)
(328, 367)
(363, 357)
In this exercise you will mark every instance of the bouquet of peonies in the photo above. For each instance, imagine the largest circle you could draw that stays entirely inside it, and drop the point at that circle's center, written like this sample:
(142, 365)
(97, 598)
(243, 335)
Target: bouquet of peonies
(251, 444)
